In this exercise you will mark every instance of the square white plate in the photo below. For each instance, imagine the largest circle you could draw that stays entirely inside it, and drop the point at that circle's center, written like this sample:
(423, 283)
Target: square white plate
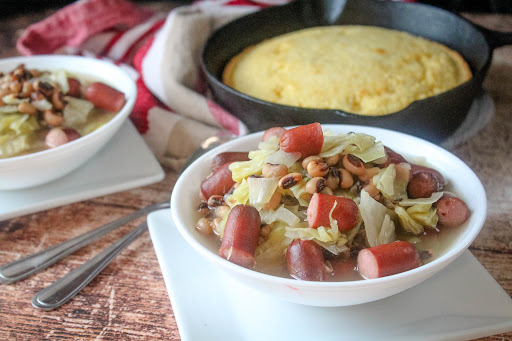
(125, 162)
(461, 302)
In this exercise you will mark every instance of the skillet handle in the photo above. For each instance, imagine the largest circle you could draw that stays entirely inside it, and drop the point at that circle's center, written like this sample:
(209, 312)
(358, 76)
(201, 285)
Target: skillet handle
(495, 39)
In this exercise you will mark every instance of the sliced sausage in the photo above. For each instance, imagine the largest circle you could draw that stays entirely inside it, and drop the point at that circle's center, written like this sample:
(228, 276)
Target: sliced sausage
(56, 137)
(392, 157)
(241, 235)
(219, 183)
(415, 169)
(422, 185)
(75, 88)
(306, 140)
(59, 136)
(345, 213)
(226, 157)
(104, 97)
(452, 211)
(276, 131)
(305, 260)
(387, 259)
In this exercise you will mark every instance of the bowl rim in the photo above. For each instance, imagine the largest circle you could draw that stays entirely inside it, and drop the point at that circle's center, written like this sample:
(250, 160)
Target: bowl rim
(125, 111)
(477, 220)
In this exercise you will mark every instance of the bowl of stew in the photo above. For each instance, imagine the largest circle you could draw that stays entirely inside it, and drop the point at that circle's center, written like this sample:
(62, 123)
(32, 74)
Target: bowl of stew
(329, 215)
(56, 112)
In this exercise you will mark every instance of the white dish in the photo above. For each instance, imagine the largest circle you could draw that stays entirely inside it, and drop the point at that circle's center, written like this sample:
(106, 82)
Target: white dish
(125, 162)
(34, 169)
(184, 204)
(460, 302)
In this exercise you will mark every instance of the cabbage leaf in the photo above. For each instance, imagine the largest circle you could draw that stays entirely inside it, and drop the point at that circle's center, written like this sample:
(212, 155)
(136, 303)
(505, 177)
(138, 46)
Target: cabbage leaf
(379, 227)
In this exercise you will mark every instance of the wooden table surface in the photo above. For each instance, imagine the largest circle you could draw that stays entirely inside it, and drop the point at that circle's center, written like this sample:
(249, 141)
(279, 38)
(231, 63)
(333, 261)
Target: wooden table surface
(129, 301)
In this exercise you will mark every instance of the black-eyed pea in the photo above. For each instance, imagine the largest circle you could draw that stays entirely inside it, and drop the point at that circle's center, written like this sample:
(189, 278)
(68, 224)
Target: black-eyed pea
(58, 100)
(346, 179)
(333, 160)
(52, 118)
(327, 190)
(261, 240)
(203, 225)
(372, 189)
(290, 180)
(271, 170)
(215, 225)
(333, 178)
(26, 90)
(370, 173)
(215, 200)
(315, 185)
(353, 164)
(265, 231)
(317, 169)
(203, 209)
(27, 108)
(16, 87)
(274, 201)
(307, 160)
(221, 211)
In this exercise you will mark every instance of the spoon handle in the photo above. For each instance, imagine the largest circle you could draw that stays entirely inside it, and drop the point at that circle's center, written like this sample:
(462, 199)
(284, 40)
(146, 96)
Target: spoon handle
(68, 286)
(29, 265)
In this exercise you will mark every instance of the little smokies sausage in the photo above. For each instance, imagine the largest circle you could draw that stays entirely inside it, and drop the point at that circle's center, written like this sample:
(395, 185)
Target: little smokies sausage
(393, 157)
(422, 185)
(452, 211)
(320, 206)
(241, 235)
(219, 183)
(387, 259)
(306, 140)
(104, 97)
(276, 131)
(305, 260)
(226, 157)
(415, 169)
(75, 88)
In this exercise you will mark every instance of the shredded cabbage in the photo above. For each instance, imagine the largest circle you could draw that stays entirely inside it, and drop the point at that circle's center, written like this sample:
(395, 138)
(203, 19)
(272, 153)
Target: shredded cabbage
(379, 227)
(76, 111)
(299, 192)
(16, 131)
(281, 214)
(261, 190)
(13, 100)
(392, 181)
(328, 237)
(8, 109)
(422, 201)
(424, 214)
(408, 222)
(283, 158)
(243, 169)
(240, 195)
(361, 145)
(13, 146)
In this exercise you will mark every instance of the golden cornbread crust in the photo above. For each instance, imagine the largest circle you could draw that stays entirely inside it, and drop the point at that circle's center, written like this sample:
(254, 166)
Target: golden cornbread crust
(359, 69)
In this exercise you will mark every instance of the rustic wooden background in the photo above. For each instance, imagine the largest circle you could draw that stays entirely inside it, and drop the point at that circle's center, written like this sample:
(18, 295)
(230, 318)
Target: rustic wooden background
(128, 300)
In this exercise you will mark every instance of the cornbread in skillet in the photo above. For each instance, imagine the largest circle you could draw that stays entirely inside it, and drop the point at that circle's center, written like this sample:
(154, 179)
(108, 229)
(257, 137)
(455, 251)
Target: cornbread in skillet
(359, 69)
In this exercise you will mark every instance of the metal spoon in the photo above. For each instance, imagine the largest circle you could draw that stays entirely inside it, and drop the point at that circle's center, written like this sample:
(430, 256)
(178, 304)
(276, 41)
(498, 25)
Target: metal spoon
(68, 286)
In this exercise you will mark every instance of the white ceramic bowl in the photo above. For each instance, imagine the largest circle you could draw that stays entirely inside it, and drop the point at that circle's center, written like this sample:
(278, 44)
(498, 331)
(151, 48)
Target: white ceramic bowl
(462, 180)
(44, 166)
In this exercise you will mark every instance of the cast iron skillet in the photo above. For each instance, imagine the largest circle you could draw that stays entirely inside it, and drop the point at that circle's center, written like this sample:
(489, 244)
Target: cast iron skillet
(434, 118)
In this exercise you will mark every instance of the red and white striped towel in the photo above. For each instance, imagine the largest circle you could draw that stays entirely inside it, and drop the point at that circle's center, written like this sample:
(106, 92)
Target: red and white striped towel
(161, 51)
